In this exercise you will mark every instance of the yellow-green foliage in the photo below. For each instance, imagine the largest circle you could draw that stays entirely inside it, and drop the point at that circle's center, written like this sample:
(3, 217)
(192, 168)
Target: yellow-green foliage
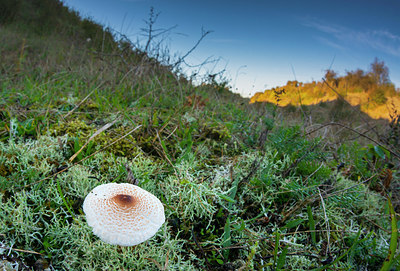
(372, 91)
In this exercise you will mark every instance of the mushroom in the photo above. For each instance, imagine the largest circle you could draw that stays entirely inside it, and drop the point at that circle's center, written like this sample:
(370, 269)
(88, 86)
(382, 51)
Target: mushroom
(123, 214)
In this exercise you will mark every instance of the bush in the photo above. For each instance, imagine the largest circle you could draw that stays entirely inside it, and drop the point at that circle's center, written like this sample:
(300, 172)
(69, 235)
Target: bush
(378, 96)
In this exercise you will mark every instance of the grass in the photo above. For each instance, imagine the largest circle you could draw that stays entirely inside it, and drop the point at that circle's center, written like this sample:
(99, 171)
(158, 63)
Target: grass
(242, 189)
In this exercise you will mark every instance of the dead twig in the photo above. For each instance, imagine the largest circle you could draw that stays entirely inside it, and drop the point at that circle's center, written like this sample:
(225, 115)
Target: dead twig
(203, 254)
(343, 99)
(357, 132)
(182, 59)
(253, 169)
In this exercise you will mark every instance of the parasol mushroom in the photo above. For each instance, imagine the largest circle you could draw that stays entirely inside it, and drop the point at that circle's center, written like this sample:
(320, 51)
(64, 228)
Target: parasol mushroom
(123, 214)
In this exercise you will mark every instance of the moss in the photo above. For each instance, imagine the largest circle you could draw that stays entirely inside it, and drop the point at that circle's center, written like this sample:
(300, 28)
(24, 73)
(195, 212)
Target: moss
(71, 128)
(79, 130)
(216, 131)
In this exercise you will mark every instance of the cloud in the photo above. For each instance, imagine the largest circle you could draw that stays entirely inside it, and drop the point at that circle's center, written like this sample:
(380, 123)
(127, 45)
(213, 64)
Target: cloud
(381, 40)
(331, 29)
(330, 43)
(384, 41)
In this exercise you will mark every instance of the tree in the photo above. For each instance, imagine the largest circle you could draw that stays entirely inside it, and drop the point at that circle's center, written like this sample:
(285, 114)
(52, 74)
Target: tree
(379, 72)
(330, 75)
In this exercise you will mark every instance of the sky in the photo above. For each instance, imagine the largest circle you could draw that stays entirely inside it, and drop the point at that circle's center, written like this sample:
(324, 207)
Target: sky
(263, 44)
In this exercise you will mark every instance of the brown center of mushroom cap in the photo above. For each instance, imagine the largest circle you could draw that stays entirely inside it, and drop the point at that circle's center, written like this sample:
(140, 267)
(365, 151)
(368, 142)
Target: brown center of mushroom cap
(124, 200)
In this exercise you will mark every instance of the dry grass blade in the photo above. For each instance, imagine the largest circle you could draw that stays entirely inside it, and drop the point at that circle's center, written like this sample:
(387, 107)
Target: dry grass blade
(22, 250)
(166, 261)
(105, 127)
(156, 263)
(81, 102)
(87, 157)
(297, 207)
(163, 147)
(165, 267)
(327, 223)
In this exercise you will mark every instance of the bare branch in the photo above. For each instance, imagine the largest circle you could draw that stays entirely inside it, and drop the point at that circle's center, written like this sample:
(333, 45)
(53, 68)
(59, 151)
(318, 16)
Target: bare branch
(203, 35)
(343, 99)
(357, 132)
(152, 20)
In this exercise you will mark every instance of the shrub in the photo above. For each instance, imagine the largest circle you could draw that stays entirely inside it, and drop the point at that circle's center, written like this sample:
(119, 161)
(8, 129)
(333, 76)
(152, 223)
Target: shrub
(378, 96)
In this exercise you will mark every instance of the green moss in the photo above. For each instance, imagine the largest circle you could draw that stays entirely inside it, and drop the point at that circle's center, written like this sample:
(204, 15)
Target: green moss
(78, 130)
(216, 131)
(72, 128)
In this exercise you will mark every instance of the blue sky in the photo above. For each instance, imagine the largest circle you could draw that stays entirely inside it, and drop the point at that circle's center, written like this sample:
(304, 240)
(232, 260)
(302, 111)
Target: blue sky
(263, 44)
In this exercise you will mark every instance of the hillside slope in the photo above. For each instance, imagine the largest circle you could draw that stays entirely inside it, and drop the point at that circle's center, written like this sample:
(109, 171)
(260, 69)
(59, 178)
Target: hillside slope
(375, 97)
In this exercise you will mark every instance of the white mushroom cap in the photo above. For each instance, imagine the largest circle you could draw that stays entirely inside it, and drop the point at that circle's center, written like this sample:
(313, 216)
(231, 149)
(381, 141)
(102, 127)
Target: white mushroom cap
(123, 214)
